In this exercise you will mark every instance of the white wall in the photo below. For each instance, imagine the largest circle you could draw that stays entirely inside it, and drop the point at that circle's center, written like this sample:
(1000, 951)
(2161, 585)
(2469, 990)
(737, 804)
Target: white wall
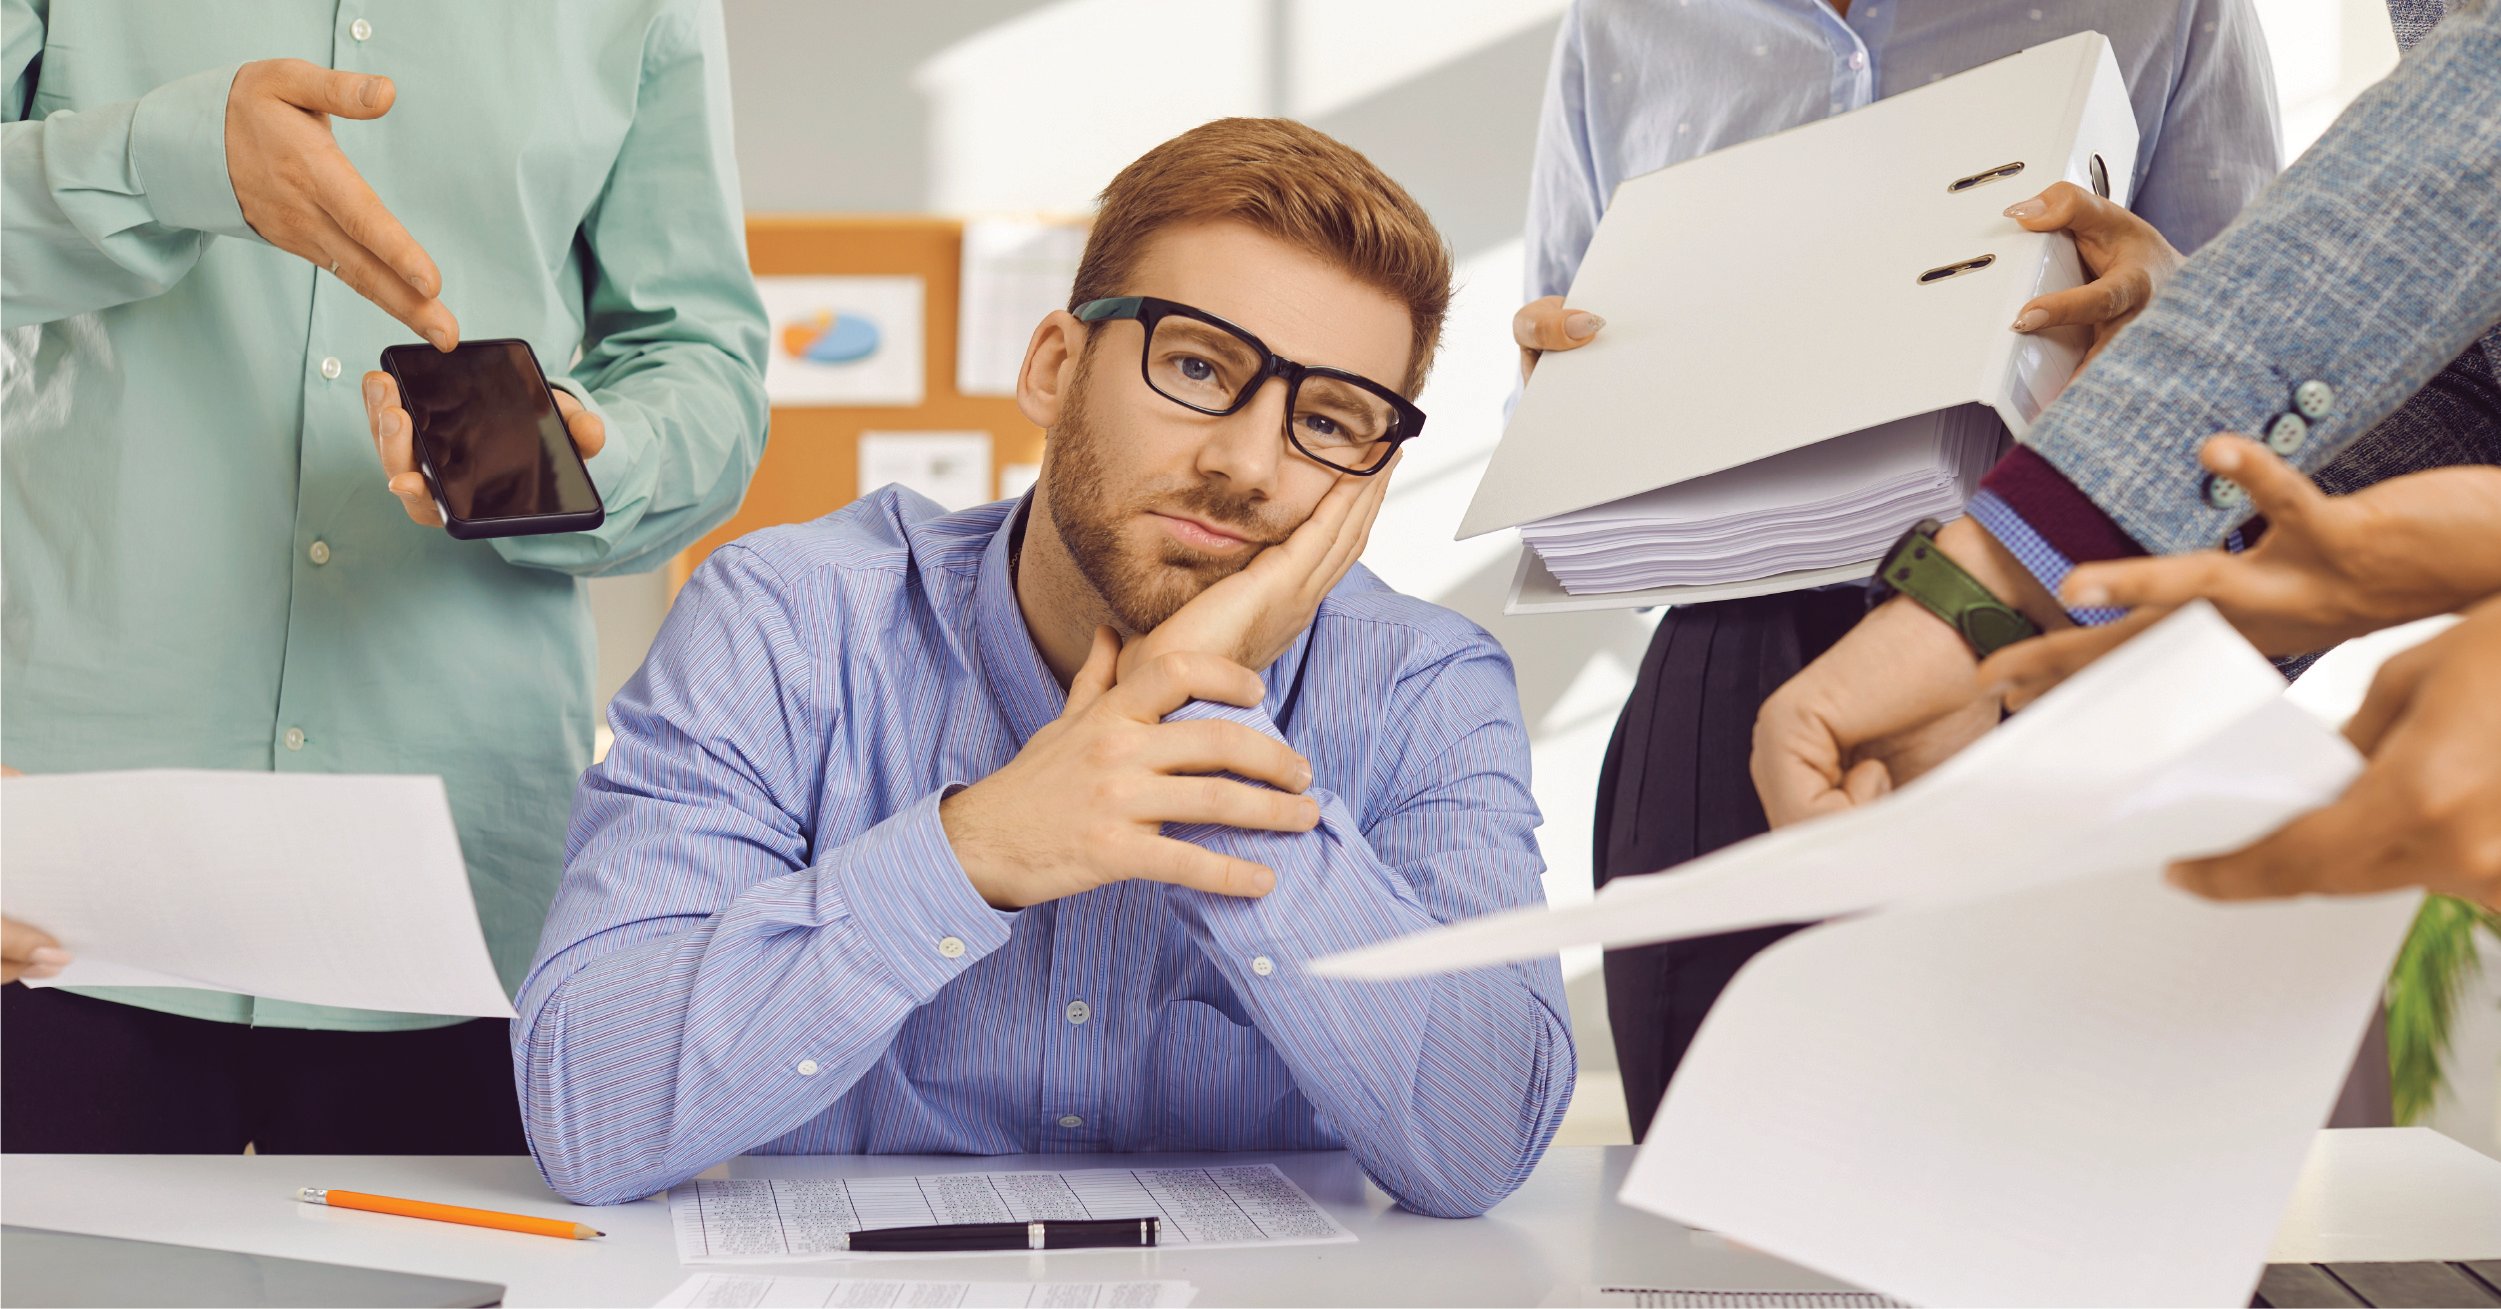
(977, 106)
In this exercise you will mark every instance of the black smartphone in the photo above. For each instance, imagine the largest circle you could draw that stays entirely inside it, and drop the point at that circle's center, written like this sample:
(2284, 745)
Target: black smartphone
(490, 443)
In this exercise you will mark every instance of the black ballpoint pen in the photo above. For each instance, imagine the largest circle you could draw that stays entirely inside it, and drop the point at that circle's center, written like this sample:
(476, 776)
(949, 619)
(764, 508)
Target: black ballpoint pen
(1048, 1234)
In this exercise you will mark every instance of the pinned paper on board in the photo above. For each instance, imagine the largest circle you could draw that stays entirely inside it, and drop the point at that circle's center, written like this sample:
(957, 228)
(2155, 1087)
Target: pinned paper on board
(844, 340)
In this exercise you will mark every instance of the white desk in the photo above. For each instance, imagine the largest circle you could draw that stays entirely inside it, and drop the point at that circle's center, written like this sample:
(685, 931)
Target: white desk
(1562, 1228)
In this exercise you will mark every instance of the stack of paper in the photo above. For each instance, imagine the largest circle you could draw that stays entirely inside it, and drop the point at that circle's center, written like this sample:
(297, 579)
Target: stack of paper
(2016, 1066)
(1837, 503)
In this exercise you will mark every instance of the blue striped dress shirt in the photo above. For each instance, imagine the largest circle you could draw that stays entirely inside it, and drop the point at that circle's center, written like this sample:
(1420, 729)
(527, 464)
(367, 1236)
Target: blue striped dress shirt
(764, 943)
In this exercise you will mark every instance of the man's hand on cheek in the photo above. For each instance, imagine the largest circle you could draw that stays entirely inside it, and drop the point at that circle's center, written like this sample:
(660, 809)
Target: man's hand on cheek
(1252, 616)
(1085, 802)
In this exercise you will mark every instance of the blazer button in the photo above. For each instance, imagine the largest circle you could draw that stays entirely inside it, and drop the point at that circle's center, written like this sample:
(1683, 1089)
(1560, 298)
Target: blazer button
(2287, 434)
(2224, 493)
(2314, 399)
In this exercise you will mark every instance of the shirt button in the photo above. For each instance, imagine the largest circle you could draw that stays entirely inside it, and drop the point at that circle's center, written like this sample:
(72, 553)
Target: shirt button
(951, 946)
(1858, 60)
(318, 552)
(2314, 399)
(1071, 1120)
(807, 1068)
(361, 30)
(2224, 493)
(2287, 434)
(1263, 966)
(1079, 1011)
(330, 368)
(295, 738)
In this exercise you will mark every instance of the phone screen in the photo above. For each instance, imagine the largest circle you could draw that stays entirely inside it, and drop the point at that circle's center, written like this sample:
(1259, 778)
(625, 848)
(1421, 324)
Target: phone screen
(491, 430)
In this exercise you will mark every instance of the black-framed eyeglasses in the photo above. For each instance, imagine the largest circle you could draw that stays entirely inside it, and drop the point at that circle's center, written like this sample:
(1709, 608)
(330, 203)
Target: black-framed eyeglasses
(1201, 362)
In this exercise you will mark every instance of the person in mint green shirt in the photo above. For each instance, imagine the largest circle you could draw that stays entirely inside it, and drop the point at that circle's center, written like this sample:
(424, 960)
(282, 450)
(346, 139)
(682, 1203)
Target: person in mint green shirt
(216, 218)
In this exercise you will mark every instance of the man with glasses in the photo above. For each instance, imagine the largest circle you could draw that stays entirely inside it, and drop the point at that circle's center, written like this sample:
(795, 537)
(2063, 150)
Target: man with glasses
(1010, 830)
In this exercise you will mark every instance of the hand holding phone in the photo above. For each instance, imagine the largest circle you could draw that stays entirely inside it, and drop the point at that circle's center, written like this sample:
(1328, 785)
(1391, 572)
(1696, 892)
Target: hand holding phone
(474, 441)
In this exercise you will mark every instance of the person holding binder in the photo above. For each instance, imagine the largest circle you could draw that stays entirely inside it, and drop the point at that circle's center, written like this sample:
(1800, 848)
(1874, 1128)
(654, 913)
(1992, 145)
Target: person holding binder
(2358, 347)
(1637, 86)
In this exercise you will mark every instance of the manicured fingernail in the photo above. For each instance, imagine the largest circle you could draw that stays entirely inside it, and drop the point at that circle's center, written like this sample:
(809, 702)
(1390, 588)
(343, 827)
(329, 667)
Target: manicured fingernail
(2030, 318)
(2026, 209)
(371, 92)
(48, 956)
(442, 340)
(1582, 326)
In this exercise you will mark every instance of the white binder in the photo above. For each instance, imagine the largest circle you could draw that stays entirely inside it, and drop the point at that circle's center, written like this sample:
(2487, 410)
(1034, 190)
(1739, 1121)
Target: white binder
(1809, 285)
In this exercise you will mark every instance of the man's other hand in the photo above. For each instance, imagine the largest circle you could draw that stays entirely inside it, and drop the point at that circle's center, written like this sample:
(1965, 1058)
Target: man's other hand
(300, 193)
(1085, 802)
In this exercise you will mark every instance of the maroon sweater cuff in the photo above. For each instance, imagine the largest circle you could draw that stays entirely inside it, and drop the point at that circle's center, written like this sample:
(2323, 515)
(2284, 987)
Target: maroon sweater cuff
(2066, 518)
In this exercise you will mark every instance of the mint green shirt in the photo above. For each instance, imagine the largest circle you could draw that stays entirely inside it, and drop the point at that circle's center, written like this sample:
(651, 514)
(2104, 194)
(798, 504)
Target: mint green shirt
(203, 567)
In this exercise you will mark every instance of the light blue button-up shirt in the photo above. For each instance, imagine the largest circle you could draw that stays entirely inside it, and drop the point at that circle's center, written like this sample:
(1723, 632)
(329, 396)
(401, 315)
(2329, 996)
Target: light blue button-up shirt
(764, 942)
(1638, 85)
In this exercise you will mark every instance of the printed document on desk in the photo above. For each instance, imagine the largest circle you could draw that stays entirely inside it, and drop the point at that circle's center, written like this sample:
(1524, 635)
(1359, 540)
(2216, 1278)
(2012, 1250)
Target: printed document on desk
(2017, 1051)
(751, 1291)
(777, 1220)
(319, 888)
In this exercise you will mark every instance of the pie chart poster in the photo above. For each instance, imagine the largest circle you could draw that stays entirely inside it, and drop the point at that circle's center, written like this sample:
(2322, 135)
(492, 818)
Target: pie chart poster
(844, 341)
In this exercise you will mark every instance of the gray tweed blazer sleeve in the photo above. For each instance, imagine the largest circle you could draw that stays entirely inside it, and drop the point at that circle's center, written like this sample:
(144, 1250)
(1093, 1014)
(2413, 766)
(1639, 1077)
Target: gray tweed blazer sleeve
(2372, 265)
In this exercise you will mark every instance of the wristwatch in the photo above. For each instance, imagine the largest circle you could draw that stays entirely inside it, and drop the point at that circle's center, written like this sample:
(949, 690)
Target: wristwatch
(1915, 567)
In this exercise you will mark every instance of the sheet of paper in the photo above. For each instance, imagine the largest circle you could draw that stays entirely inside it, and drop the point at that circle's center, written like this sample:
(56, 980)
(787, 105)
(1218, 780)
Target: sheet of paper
(1015, 272)
(2023, 1050)
(952, 468)
(777, 1220)
(747, 1291)
(318, 888)
(2053, 773)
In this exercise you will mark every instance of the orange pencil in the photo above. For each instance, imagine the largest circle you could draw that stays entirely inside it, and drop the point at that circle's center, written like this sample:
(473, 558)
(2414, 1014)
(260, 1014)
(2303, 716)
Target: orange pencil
(447, 1213)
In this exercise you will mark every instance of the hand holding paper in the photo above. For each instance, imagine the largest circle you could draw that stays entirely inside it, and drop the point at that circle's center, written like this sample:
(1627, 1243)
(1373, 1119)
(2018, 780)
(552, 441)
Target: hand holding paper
(316, 888)
(1979, 1084)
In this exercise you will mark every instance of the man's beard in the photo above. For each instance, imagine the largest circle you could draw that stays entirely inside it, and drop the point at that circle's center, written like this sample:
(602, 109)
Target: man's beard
(1142, 588)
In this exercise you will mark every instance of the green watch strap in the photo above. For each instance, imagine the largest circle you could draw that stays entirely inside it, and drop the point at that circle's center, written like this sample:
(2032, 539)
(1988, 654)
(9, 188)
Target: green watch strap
(1918, 569)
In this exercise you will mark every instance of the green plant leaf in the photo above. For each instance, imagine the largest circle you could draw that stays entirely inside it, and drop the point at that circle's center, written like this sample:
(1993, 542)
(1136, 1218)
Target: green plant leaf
(2431, 972)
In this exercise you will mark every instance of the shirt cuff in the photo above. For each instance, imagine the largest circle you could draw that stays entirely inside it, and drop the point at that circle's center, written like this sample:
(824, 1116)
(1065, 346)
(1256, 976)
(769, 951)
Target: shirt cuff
(2043, 560)
(178, 153)
(902, 884)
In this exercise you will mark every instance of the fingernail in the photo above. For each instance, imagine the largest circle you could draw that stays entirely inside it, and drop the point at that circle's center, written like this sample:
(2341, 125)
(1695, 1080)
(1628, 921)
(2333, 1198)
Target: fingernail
(442, 340)
(2030, 318)
(2226, 458)
(2026, 209)
(40, 971)
(373, 391)
(370, 92)
(2088, 597)
(1582, 326)
(48, 957)
(1995, 690)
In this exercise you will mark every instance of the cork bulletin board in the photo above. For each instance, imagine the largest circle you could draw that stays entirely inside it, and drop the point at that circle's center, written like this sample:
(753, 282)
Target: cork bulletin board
(812, 455)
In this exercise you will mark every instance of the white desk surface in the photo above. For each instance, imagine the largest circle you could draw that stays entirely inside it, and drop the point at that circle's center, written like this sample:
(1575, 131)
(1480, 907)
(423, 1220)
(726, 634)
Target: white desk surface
(2400, 1193)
